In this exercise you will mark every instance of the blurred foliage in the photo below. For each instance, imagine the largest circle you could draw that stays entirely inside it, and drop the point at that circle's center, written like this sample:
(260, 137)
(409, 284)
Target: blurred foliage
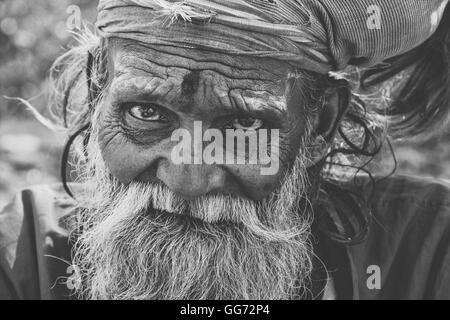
(32, 34)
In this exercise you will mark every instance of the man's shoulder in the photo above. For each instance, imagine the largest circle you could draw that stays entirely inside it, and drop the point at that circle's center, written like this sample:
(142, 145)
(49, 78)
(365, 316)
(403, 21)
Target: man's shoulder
(409, 239)
(44, 205)
(412, 208)
(420, 192)
(32, 232)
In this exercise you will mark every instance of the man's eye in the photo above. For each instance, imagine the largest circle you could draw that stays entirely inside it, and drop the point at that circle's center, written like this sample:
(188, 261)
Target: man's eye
(146, 113)
(246, 124)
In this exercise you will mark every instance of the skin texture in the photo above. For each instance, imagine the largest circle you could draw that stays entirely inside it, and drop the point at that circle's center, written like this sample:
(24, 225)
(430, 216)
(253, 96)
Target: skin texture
(187, 86)
(197, 231)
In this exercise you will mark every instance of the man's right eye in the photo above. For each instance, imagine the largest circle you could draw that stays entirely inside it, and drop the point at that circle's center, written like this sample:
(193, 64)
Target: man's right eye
(146, 112)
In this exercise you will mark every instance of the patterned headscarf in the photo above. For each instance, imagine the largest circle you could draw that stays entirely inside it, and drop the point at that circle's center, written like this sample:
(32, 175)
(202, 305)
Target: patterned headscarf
(316, 35)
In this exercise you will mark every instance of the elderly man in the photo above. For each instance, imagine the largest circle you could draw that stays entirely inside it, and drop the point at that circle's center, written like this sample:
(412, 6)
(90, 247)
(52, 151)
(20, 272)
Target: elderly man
(164, 97)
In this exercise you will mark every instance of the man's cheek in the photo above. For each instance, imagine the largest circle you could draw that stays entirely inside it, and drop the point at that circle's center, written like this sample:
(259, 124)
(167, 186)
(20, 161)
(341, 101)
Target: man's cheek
(266, 178)
(256, 185)
(124, 160)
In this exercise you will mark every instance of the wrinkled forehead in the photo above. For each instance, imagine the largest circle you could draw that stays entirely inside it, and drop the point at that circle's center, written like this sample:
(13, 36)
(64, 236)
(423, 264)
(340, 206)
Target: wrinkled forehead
(132, 61)
(197, 59)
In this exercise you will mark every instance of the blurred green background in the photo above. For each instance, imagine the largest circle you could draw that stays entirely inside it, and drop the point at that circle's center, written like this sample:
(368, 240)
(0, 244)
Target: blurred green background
(32, 34)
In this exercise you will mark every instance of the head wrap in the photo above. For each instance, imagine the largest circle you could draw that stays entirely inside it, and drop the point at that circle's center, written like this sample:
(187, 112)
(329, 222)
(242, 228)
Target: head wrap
(316, 35)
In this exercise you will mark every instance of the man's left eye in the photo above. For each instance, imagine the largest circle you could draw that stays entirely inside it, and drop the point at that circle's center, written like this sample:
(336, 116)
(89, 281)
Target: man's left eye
(248, 123)
(146, 113)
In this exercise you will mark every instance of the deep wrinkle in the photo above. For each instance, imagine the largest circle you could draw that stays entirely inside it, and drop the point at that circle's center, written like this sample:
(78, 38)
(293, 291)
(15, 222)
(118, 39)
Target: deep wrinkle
(218, 102)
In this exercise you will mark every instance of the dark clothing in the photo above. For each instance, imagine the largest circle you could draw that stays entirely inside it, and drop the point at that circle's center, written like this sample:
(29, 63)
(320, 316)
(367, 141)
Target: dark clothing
(408, 243)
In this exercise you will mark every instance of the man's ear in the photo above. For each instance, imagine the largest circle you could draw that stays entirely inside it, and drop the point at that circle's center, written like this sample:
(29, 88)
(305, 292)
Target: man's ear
(327, 122)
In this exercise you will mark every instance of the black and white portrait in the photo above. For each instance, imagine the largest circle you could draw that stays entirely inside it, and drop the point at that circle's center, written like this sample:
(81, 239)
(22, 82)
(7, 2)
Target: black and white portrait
(225, 150)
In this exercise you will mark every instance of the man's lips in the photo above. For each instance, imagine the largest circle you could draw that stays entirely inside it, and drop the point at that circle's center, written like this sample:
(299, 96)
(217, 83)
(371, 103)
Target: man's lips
(187, 219)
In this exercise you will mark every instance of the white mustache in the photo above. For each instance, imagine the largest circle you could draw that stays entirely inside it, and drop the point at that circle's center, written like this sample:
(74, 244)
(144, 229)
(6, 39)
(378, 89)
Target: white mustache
(259, 218)
(210, 209)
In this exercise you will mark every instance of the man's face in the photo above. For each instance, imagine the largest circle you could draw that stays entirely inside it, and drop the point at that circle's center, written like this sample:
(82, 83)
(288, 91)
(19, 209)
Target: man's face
(153, 93)
(153, 229)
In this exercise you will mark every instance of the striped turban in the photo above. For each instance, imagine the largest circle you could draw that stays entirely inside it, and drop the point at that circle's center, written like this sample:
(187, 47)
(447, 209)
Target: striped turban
(316, 35)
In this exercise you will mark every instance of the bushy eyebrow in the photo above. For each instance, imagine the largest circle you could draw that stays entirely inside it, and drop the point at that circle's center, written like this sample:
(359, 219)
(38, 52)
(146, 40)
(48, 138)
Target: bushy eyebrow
(147, 89)
(248, 102)
(137, 79)
(134, 88)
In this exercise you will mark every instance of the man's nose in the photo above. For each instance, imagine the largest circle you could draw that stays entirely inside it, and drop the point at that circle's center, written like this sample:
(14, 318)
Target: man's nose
(189, 180)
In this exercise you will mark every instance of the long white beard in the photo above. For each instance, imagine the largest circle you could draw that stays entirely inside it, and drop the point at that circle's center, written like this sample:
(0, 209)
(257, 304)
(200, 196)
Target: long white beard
(142, 241)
